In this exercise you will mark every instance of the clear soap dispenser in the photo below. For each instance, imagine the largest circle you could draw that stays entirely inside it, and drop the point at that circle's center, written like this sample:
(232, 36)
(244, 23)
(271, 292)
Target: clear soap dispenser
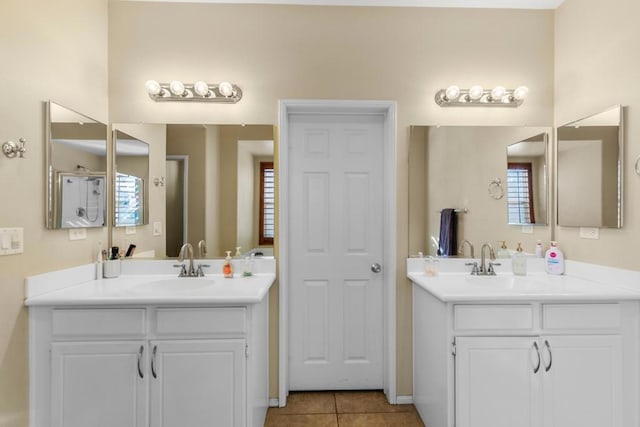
(519, 262)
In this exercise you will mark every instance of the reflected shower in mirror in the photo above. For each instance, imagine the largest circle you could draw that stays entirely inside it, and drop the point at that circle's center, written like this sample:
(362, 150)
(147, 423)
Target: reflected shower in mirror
(527, 181)
(76, 156)
(453, 167)
(589, 176)
(131, 178)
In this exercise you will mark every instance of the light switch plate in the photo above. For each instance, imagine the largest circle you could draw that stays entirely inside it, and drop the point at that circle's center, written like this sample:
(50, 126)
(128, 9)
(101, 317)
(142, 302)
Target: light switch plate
(77, 233)
(11, 241)
(590, 233)
(527, 229)
(157, 228)
(130, 229)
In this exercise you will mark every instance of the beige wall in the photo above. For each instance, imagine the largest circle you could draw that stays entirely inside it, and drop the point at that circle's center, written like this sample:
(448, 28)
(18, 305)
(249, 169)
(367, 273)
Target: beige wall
(57, 51)
(596, 63)
(280, 52)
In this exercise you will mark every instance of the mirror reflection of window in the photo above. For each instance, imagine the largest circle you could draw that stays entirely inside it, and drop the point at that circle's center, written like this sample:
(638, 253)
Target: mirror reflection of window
(267, 204)
(520, 193)
(129, 200)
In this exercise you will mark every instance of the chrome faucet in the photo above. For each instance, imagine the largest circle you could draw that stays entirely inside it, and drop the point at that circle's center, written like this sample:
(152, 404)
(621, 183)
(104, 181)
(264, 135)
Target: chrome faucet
(487, 270)
(191, 272)
(461, 248)
(202, 249)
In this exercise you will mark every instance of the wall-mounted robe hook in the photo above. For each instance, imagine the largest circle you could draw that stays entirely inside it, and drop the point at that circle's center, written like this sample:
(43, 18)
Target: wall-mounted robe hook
(11, 149)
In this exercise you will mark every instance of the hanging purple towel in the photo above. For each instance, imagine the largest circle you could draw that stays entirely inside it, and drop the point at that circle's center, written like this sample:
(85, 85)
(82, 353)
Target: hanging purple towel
(448, 233)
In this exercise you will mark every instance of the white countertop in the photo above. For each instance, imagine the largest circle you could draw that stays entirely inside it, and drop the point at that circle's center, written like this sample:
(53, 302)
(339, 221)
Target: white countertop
(160, 289)
(455, 284)
(79, 286)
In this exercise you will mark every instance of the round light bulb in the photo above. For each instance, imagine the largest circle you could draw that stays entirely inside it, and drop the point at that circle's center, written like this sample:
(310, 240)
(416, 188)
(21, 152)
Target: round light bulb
(176, 87)
(498, 92)
(201, 88)
(452, 93)
(476, 92)
(153, 87)
(226, 89)
(520, 92)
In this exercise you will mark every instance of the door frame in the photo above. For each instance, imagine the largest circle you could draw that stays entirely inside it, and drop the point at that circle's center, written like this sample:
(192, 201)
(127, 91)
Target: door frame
(387, 109)
(184, 159)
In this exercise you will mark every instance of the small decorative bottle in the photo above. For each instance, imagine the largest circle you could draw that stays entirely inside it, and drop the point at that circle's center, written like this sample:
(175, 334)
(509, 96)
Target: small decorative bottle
(503, 252)
(519, 262)
(248, 266)
(227, 266)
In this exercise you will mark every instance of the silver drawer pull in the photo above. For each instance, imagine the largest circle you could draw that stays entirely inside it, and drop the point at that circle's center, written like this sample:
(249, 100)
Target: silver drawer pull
(547, 367)
(537, 367)
(153, 362)
(140, 374)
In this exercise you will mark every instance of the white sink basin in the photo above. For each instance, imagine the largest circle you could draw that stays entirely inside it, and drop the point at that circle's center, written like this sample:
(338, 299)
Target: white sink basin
(508, 282)
(176, 284)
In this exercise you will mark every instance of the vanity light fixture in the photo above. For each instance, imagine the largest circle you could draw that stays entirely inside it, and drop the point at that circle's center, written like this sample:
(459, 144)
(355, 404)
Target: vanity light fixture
(200, 91)
(477, 96)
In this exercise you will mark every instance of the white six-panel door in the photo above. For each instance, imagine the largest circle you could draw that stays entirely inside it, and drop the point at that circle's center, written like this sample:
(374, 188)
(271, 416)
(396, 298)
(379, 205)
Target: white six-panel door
(336, 236)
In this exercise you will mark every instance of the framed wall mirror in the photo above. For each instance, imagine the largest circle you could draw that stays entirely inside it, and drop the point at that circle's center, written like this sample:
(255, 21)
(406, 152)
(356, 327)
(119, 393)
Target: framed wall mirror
(527, 178)
(589, 174)
(454, 167)
(131, 191)
(213, 183)
(76, 162)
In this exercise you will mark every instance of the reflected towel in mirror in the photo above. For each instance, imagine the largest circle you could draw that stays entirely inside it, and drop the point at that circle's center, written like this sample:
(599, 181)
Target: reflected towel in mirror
(448, 243)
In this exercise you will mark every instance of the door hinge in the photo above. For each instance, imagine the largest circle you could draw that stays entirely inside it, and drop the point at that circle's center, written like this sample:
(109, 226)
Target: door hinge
(246, 351)
(453, 347)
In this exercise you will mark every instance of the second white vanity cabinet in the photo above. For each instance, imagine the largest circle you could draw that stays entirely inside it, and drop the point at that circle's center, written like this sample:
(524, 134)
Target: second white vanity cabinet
(524, 363)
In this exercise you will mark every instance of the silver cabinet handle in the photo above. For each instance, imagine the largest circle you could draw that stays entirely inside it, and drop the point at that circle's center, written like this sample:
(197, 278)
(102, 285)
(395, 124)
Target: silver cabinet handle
(153, 362)
(537, 367)
(140, 374)
(547, 367)
(376, 268)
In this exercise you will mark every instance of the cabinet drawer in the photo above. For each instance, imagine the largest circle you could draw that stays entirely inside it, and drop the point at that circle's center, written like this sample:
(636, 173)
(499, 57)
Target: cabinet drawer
(222, 321)
(581, 316)
(492, 317)
(99, 323)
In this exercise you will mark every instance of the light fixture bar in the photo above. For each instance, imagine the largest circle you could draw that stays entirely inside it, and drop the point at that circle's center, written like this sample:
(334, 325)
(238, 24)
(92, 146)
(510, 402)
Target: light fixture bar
(223, 92)
(476, 96)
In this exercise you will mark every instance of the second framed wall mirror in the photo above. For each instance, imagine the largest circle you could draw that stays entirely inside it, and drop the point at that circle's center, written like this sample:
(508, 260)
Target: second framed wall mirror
(589, 176)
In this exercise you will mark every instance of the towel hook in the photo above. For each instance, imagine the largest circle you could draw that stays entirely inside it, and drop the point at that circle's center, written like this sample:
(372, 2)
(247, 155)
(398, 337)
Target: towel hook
(495, 189)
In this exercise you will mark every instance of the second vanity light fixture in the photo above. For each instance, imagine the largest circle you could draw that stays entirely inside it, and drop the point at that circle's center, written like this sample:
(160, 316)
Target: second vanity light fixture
(223, 92)
(477, 96)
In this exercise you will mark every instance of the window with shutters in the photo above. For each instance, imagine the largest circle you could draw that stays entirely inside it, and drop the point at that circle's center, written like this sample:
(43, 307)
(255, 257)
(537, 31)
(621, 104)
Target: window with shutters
(267, 204)
(520, 193)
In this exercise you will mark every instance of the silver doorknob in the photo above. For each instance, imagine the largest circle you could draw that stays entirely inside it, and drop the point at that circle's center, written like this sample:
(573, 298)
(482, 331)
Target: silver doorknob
(376, 268)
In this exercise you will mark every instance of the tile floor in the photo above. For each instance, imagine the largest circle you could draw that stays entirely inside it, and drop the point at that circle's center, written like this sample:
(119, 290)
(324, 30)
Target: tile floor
(343, 409)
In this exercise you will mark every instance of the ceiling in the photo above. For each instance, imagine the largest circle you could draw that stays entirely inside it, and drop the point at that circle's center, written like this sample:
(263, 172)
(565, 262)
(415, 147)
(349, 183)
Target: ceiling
(503, 4)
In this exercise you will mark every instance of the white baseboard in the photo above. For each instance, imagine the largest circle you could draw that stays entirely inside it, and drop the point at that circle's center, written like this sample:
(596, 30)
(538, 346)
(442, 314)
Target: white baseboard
(274, 403)
(404, 400)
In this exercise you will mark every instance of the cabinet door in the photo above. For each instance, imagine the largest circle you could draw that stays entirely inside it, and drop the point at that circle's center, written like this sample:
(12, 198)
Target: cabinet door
(496, 382)
(197, 383)
(582, 381)
(98, 384)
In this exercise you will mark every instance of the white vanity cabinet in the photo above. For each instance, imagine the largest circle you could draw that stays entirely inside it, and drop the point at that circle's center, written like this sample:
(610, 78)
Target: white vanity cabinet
(158, 366)
(530, 364)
